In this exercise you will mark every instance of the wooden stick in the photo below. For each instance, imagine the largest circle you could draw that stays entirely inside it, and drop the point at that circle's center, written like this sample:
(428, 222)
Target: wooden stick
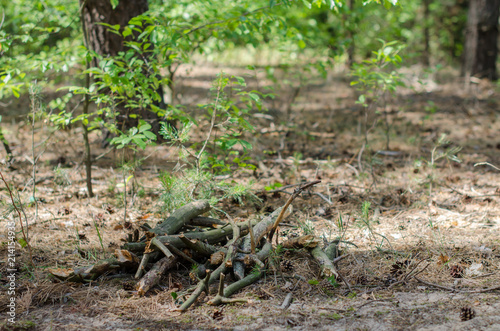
(142, 266)
(206, 221)
(287, 302)
(219, 298)
(326, 265)
(181, 216)
(161, 247)
(153, 276)
(201, 287)
(489, 289)
(250, 279)
(295, 194)
(252, 238)
(180, 253)
(198, 246)
(213, 276)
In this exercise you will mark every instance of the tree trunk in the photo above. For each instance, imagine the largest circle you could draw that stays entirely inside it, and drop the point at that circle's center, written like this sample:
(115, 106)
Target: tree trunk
(101, 40)
(481, 39)
(105, 42)
(350, 33)
(426, 54)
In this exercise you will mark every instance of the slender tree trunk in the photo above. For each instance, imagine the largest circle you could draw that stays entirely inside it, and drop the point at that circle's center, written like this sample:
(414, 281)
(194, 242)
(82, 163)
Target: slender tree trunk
(5, 145)
(427, 53)
(349, 28)
(481, 39)
(88, 155)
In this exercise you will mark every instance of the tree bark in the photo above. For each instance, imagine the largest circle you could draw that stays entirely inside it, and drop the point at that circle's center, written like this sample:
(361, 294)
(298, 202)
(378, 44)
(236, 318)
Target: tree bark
(105, 42)
(101, 40)
(481, 39)
(426, 54)
(5, 145)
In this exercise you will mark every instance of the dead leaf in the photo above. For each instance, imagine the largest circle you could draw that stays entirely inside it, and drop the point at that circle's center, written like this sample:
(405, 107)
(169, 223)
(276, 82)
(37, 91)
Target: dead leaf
(125, 256)
(443, 259)
(61, 273)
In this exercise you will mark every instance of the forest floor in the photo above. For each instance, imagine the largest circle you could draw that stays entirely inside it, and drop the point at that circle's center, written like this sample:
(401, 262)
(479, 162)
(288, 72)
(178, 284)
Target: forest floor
(432, 218)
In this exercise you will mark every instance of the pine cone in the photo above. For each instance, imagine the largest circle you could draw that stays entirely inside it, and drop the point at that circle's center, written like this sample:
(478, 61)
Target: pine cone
(286, 265)
(398, 269)
(456, 271)
(467, 313)
(217, 315)
(327, 287)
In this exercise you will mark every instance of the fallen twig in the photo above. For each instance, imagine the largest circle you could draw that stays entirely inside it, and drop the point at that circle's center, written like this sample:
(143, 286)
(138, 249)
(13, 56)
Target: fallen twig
(287, 302)
(220, 298)
(296, 192)
(451, 289)
(201, 287)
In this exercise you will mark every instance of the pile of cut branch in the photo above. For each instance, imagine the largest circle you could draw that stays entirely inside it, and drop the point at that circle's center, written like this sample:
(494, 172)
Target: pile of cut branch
(242, 248)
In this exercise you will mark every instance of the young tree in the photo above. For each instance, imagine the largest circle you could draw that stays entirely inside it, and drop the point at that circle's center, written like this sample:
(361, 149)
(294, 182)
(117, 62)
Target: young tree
(481, 39)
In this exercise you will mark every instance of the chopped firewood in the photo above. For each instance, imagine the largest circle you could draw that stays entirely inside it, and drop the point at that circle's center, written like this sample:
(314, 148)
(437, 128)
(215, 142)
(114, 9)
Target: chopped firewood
(198, 246)
(124, 256)
(217, 258)
(220, 298)
(213, 276)
(326, 265)
(206, 222)
(93, 271)
(181, 216)
(308, 241)
(142, 266)
(211, 236)
(153, 276)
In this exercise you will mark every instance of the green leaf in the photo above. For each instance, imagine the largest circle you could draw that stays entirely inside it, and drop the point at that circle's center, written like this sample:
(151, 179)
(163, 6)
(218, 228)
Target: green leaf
(15, 92)
(307, 4)
(22, 242)
(114, 3)
(302, 44)
(254, 96)
(150, 135)
(144, 126)
(139, 142)
(245, 144)
(313, 282)
(127, 32)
